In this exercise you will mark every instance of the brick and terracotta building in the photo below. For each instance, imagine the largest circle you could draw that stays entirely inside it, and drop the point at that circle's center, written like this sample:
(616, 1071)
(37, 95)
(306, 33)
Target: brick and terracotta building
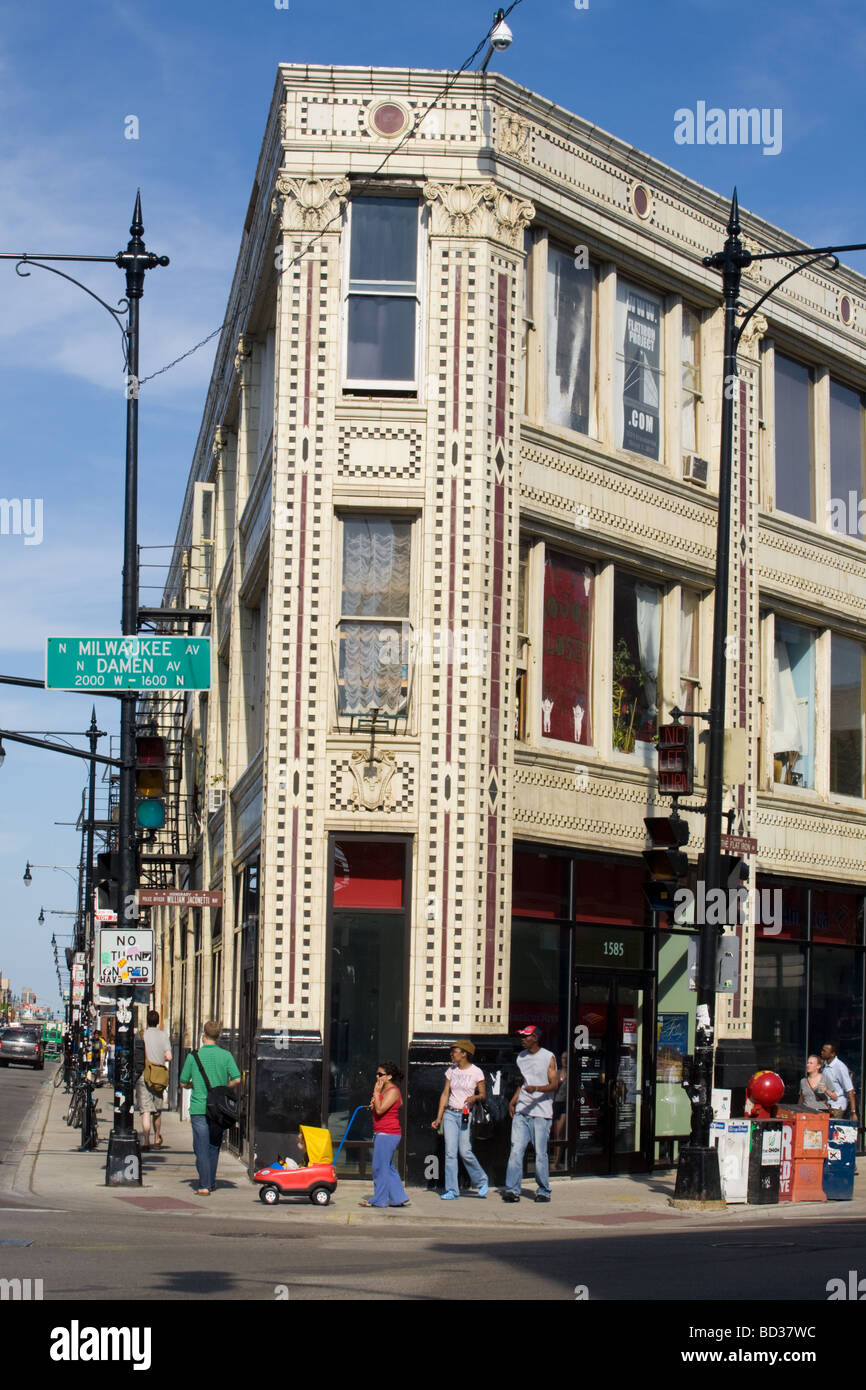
(453, 514)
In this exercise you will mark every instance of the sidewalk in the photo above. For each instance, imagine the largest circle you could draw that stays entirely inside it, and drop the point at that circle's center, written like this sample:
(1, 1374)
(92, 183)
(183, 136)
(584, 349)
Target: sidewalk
(52, 1172)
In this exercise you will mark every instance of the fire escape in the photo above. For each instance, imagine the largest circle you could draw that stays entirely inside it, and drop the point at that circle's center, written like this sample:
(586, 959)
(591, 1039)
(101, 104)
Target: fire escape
(185, 607)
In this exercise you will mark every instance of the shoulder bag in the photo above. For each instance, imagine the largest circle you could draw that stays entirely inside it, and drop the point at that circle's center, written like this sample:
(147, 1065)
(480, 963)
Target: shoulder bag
(222, 1103)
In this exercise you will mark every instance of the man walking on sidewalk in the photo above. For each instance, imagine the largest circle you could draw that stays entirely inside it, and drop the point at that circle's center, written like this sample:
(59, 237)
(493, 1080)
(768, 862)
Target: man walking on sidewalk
(150, 1085)
(531, 1112)
(222, 1070)
(838, 1078)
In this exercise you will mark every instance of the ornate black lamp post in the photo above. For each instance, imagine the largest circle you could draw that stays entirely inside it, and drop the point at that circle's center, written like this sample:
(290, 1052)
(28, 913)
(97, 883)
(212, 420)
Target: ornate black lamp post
(698, 1168)
(124, 1160)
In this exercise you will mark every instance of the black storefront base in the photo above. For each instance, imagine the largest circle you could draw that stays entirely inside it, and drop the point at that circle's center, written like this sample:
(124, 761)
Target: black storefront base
(429, 1055)
(287, 1092)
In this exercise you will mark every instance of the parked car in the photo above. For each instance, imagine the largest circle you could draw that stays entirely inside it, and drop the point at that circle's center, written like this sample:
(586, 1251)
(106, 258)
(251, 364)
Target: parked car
(23, 1046)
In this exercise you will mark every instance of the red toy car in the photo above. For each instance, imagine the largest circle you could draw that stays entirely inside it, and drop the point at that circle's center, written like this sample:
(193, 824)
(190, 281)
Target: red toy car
(312, 1174)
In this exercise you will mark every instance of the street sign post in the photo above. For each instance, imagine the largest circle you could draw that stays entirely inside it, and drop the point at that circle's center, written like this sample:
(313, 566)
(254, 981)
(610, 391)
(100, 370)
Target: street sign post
(146, 662)
(126, 957)
(170, 897)
(738, 844)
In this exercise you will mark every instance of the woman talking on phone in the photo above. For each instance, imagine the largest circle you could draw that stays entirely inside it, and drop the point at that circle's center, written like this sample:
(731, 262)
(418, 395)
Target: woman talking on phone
(388, 1190)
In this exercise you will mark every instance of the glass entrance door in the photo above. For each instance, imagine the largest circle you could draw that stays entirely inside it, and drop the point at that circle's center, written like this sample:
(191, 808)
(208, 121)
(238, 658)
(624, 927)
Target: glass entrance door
(611, 1096)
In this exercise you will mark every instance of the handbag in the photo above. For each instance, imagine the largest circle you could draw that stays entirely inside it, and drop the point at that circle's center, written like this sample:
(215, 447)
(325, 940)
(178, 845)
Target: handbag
(222, 1107)
(482, 1120)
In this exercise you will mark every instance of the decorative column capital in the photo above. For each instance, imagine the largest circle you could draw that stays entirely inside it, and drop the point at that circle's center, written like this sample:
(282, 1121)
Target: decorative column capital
(477, 210)
(220, 443)
(308, 204)
(243, 357)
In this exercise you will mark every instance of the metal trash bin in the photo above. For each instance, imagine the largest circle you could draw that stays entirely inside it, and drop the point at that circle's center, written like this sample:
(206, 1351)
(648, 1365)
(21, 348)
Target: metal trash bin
(839, 1163)
(765, 1159)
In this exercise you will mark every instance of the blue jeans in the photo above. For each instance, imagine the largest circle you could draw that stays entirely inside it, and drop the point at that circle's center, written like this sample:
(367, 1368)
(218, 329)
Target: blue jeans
(457, 1139)
(206, 1153)
(525, 1131)
(388, 1190)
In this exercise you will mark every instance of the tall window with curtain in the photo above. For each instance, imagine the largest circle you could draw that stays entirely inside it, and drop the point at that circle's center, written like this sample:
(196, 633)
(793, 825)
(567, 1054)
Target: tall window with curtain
(794, 723)
(691, 380)
(565, 672)
(374, 630)
(569, 341)
(637, 629)
(689, 649)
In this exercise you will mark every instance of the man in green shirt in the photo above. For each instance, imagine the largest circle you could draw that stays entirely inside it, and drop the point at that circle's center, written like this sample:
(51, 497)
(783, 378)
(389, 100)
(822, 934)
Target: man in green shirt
(222, 1070)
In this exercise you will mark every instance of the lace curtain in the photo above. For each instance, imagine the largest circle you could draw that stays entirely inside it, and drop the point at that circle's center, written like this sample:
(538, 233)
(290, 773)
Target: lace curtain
(374, 648)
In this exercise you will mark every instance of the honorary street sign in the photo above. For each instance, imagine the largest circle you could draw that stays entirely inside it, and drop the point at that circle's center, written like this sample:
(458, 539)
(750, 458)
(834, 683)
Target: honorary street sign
(145, 662)
(170, 897)
(126, 957)
(738, 844)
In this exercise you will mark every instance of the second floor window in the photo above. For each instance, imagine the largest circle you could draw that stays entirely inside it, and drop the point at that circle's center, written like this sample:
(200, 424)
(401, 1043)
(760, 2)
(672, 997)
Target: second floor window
(374, 632)
(566, 674)
(846, 716)
(382, 309)
(637, 630)
(793, 438)
(794, 725)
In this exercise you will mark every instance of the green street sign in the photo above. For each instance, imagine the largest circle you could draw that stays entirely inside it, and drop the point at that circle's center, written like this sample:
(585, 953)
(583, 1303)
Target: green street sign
(147, 662)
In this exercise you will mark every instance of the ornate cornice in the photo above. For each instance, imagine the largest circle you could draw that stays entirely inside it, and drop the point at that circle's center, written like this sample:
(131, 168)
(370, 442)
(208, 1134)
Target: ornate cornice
(309, 204)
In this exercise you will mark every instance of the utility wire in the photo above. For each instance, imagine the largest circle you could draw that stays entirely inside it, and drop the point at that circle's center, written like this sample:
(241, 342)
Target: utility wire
(365, 183)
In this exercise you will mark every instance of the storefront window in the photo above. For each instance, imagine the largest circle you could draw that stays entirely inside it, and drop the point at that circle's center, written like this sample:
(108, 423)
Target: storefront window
(596, 899)
(539, 980)
(565, 696)
(836, 918)
(540, 885)
(367, 964)
(779, 1012)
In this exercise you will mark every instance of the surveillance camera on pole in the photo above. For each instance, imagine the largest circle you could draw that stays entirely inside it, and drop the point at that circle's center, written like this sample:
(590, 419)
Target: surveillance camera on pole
(500, 38)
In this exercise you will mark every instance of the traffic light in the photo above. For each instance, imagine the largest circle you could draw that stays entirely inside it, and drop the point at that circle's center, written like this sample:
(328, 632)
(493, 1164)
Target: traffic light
(108, 881)
(666, 862)
(150, 782)
(734, 875)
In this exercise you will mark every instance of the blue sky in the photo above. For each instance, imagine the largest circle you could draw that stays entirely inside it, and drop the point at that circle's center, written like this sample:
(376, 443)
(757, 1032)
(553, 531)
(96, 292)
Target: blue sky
(199, 77)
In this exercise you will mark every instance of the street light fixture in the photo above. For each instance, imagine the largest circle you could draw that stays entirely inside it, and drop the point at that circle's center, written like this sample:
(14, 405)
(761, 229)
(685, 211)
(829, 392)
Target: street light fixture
(69, 869)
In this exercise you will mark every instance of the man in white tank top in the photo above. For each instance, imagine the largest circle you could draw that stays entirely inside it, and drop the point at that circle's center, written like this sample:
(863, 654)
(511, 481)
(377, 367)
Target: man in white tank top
(531, 1112)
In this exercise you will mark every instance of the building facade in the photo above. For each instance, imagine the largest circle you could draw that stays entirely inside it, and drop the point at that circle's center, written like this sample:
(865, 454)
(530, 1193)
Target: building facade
(451, 521)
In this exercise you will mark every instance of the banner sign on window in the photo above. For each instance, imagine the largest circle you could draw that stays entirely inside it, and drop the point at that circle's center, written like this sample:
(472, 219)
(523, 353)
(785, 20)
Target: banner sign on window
(642, 356)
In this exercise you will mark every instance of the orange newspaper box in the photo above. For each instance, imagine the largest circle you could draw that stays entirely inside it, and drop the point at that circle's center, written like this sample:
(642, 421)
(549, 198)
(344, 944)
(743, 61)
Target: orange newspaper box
(804, 1148)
